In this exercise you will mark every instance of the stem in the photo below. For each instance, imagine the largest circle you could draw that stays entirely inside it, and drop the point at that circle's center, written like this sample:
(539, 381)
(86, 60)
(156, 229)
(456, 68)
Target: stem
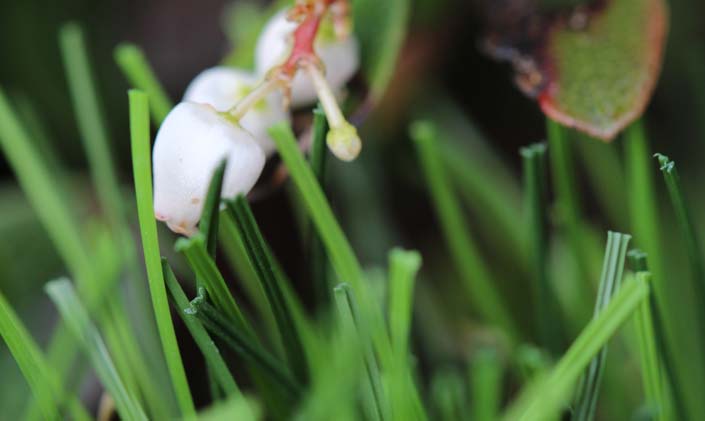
(259, 93)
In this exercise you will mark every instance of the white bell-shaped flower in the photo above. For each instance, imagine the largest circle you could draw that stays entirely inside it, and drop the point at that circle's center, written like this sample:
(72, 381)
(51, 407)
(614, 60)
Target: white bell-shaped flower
(223, 87)
(341, 58)
(191, 143)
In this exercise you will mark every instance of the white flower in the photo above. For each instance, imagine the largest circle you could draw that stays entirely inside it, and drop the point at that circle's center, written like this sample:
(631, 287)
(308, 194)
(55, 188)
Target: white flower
(341, 58)
(223, 87)
(192, 141)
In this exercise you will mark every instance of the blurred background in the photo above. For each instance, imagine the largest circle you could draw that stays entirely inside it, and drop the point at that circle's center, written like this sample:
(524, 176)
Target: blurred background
(382, 199)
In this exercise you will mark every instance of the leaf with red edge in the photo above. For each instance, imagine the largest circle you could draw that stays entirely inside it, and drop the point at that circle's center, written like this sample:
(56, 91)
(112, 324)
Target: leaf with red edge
(601, 78)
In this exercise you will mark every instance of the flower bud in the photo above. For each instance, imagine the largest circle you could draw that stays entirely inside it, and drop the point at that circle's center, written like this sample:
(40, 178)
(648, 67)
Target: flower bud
(223, 87)
(340, 57)
(192, 141)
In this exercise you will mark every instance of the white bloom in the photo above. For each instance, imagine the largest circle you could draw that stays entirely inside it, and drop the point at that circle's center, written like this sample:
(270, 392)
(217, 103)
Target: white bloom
(223, 87)
(192, 141)
(341, 58)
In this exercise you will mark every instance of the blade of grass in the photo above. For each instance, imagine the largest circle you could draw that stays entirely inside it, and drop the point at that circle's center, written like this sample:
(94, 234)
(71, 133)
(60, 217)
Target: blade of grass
(486, 385)
(54, 211)
(96, 143)
(687, 228)
(543, 399)
(64, 297)
(403, 267)
(319, 261)
(194, 249)
(141, 161)
(243, 346)
(680, 334)
(208, 348)
(237, 408)
(658, 401)
(337, 246)
(567, 202)
(138, 72)
(475, 276)
(374, 400)
(448, 396)
(42, 379)
(610, 281)
(545, 304)
(274, 286)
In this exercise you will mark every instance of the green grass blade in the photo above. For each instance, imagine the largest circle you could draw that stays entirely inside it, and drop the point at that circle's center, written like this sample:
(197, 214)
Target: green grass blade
(138, 72)
(243, 346)
(237, 408)
(403, 267)
(319, 260)
(448, 396)
(51, 206)
(28, 357)
(475, 276)
(544, 398)
(62, 293)
(141, 161)
(687, 229)
(374, 399)
(274, 285)
(91, 121)
(680, 332)
(610, 281)
(486, 385)
(194, 249)
(208, 348)
(339, 250)
(545, 304)
(208, 224)
(567, 204)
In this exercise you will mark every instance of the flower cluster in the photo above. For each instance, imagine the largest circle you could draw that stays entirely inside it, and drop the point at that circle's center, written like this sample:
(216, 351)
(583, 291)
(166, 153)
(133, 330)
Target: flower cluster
(305, 54)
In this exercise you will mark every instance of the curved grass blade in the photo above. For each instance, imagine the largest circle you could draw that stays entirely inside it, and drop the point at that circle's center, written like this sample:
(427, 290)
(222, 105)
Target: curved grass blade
(64, 297)
(543, 398)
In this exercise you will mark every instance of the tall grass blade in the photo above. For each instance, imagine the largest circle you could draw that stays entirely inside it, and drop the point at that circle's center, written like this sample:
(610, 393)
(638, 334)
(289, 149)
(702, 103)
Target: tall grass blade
(141, 161)
(72, 310)
(208, 348)
(274, 286)
(319, 260)
(337, 246)
(544, 398)
(545, 304)
(374, 400)
(42, 379)
(486, 385)
(449, 396)
(139, 73)
(610, 281)
(475, 275)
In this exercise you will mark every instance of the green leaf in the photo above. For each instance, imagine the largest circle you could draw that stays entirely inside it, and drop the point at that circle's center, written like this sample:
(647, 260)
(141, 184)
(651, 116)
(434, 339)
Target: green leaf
(72, 310)
(142, 168)
(381, 28)
(486, 385)
(600, 79)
